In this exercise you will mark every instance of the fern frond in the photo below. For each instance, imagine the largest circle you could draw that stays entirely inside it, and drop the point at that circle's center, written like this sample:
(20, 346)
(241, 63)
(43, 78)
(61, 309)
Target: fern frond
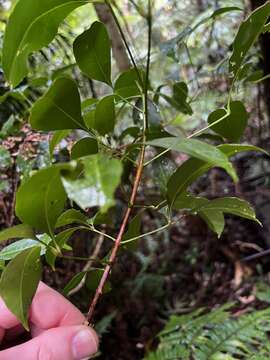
(215, 336)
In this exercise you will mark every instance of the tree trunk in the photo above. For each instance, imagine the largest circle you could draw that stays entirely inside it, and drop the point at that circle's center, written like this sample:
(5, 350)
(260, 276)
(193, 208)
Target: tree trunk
(265, 61)
(119, 51)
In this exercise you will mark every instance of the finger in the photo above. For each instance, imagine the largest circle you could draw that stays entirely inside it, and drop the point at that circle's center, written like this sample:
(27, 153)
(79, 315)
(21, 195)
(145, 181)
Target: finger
(69, 343)
(49, 309)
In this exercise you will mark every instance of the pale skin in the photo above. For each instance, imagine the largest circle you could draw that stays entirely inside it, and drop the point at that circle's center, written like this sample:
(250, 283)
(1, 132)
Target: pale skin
(57, 330)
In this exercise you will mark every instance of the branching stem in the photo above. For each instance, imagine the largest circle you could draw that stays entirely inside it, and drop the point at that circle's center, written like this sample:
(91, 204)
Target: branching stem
(139, 170)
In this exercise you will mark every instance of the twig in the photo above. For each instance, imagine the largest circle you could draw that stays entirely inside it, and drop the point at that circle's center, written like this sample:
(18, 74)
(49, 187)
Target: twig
(117, 243)
(140, 167)
(89, 264)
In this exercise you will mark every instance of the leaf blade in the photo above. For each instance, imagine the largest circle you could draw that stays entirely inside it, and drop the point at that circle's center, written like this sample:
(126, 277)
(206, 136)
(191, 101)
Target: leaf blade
(19, 282)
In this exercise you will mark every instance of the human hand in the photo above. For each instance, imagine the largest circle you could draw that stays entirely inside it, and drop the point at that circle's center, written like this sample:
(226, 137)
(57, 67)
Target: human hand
(56, 330)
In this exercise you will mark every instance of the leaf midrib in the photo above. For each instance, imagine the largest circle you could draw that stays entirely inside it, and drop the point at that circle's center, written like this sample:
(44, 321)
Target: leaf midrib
(82, 2)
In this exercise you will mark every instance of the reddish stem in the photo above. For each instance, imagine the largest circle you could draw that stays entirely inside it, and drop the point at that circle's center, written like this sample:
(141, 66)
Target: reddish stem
(119, 238)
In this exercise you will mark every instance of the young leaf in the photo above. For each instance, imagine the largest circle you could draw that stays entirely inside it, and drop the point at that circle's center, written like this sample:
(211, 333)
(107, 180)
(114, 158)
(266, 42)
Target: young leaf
(92, 50)
(127, 84)
(247, 34)
(234, 124)
(17, 231)
(71, 216)
(41, 199)
(23, 32)
(199, 150)
(57, 137)
(104, 119)
(59, 108)
(96, 187)
(84, 147)
(19, 282)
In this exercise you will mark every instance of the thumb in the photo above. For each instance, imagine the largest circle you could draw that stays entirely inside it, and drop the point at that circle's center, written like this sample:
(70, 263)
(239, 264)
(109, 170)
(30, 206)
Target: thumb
(69, 343)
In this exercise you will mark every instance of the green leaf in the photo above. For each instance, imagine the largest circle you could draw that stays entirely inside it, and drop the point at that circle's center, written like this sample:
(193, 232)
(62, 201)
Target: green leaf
(231, 205)
(17, 231)
(98, 183)
(12, 250)
(71, 216)
(57, 137)
(179, 98)
(247, 34)
(127, 84)
(199, 150)
(233, 149)
(104, 119)
(19, 282)
(92, 50)
(23, 32)
(84, 147)
(134, 230)
(93, 279)
(214, 219)
(193, 168)
(75, 281)
(41, 199)
(59, 108)
(233, 125)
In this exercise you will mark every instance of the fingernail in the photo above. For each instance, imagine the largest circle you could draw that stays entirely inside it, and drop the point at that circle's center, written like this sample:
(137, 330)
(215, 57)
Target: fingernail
(84, 344)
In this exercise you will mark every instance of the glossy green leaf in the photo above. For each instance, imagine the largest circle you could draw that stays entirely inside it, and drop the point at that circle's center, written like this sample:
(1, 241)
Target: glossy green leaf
(23, 32)
(233, 125)
(12, 250)
(97, 184)
(59, 108)
(127, 84)
(92, 50)
(71, 216)
(233, 149)
(104, 117)
(75, 281)
(231, 205)
(199, 150)
(57, 137)
(62, 238)
(41, 199)
(84, 147)
(214, 219)
(17, 231)
(247, 34)
(19, 282)
(193, 168)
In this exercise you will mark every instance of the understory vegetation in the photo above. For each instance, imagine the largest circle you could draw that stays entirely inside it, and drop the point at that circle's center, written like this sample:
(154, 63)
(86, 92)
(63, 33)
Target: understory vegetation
(135, 170)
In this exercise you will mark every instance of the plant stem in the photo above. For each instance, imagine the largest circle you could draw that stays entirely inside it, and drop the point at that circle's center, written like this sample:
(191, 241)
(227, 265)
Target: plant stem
(118, 240)
(125, 41)
(149, 21)
(140, 166)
